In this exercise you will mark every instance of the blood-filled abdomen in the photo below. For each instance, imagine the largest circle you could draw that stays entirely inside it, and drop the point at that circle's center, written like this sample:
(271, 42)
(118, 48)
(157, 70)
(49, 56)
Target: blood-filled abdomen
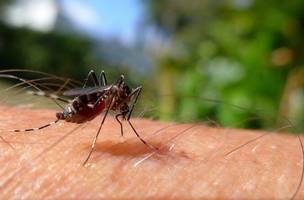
(87, 112)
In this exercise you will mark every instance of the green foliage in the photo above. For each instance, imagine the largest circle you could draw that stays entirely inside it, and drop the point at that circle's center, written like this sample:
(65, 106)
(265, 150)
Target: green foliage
(227, 60)
(67, 55)
(241, 52)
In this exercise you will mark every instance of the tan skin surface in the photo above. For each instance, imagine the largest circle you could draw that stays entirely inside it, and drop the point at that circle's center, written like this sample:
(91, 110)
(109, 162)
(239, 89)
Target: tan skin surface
(193, 161)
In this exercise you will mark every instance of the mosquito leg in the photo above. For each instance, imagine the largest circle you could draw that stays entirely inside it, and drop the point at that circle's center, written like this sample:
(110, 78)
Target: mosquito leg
(103, 79)
(141, 139)
(98, 132)
(66, 82)
(121, 128)
(98, 100)
(135, 92)
(94, 78)
(72, 82)
(25, 82)
(51, 96)
(35, 129)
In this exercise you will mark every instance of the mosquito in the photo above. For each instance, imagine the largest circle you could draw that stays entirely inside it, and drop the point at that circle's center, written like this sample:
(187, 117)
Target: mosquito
(86, 103)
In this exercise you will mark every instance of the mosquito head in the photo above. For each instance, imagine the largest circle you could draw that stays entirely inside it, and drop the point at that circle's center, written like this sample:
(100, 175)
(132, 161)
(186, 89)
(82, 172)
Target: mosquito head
(123, 91)
(120, 81)
(122, 95)
(124, 98)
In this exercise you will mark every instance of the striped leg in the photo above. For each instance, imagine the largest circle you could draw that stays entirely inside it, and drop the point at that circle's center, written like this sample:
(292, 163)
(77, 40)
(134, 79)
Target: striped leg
(35, 129)
(94, 78)
(135, 94)
(120, 123)
(102, 79)
(98, 132)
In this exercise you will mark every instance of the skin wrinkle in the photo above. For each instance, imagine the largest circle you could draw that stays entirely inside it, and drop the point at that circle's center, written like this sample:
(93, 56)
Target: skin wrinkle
(112, 172)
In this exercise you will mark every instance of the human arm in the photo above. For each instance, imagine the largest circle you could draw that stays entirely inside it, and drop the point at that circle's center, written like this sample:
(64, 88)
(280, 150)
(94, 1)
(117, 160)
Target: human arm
(193, 161)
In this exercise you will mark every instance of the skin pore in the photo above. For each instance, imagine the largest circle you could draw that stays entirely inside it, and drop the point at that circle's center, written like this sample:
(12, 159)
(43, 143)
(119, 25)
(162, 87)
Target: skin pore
(193, 161)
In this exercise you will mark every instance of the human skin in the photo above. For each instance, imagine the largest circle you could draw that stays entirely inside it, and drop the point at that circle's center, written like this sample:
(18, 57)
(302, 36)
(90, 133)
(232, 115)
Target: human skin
(192, 161)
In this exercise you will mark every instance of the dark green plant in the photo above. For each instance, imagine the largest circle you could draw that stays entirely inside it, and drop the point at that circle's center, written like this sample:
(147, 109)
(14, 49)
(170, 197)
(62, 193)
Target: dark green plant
(240, 52)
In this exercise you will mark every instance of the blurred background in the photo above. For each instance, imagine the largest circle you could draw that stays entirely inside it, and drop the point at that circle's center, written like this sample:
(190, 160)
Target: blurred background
(239, 63)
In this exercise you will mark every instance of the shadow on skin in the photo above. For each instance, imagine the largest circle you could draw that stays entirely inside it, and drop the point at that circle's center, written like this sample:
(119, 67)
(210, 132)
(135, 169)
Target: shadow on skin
(134, 149)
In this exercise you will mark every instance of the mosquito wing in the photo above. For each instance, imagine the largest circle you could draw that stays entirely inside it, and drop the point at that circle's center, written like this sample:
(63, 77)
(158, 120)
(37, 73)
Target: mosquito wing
(83, 91)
